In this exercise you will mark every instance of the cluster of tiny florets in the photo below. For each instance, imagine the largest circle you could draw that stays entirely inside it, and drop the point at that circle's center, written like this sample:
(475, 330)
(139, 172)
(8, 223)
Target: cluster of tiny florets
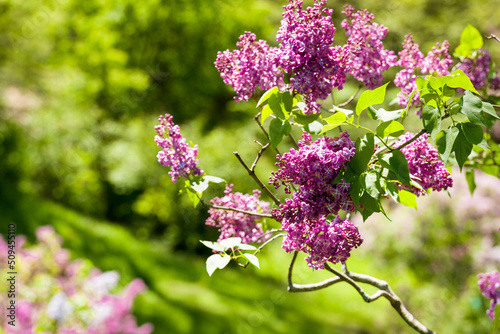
(249, 66)
(314, 168)
(437, 61)
(323, 241)
(424, 164)
(489, 283)
(368, 56)
(238, 224)
(305, 52)
(175, 153)
(477, 68)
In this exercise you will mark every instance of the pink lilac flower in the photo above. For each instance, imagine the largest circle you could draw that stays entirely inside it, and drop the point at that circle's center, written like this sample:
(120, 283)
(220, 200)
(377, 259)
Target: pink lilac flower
(237, 224)
(438, 60)
(321, 240)
(314, 168)
(249, 66)
(489, 283)
(424, 164)
(305, 52)
(411, 59)
(368, 56)
(175, 152)
(477, 68)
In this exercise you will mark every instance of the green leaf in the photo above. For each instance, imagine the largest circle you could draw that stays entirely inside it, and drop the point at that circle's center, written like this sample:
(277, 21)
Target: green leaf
(334, 121)
(471, 37)
(246, 247)
(474, 133)
(462, 148)
(287, 99)
(393, 190)
(365, 147)
(445, 140)
(370, 97)
(347, 112)
(390, 128)
(384, 115)
(407, 198)
(370, 203)
(192, 194)
(431, 119)
(396, 162)
(252, 259)
(472, 106)
(471, 180)
(488, 108)
(266, 112)
(314, 128)
(213, 245)
(277, 104)
(217, 261)
(278, 129)
(460, 80)
(267, 94)
(463, 51)
(372, 184)
(202, 185)
(355, 191)
(230, 242)
(303, 119)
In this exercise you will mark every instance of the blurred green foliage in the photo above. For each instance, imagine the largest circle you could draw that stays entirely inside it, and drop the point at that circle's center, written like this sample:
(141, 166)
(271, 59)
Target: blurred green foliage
(82, 84)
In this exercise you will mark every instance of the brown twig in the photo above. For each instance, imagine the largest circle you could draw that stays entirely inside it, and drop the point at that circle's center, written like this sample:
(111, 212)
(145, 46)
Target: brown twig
(250, 213)
(491, 36)
(343, 104)
(294, 287)
(256, 178)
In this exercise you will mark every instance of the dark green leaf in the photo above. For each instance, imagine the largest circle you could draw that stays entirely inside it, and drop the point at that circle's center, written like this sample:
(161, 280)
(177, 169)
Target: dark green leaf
(372, 184)
(287, 99)
(303, 119)
(431, 119)
(356, 191)
(370, 203)
(277, 105)
(390, 128)
(276, 131)
(471, 181)
(474, 133)
(370, 98)
(393, 190)
(462, 148)
(396, 162)
(365, 147)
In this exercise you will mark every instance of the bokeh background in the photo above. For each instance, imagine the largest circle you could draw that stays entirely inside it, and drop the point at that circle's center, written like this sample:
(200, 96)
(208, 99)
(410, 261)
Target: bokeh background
(82, 84)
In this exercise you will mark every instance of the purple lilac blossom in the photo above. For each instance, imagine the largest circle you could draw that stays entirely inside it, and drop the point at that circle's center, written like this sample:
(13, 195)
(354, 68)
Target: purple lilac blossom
(424, 164)
(489, 283)
(237, 224)
(477, 68)
(252, 65)
(305, 52)
(411, 59)
(76, 295)
(314, 168)
(175, 152)
(368, 56)
(321, 240)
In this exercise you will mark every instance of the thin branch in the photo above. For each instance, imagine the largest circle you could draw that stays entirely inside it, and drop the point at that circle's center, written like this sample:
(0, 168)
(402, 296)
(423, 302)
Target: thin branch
(263, 148)
(256, 119)
(411, 140)
(293, 287)
(384, 291)
(256, 178)
(250, 213)
(351, 98)
(491, 36)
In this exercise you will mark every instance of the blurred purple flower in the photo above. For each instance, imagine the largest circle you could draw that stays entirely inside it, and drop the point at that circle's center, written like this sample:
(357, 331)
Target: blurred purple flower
(489, 283)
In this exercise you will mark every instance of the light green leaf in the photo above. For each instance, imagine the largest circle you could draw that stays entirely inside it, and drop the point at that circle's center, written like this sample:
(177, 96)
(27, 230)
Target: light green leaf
(314, 128)
(488, 108)
(217, 261)
(252, 259)
(365, 147)
(266, 112)
(213, 245)
(334, 121)
(370, 98)
(384, 115)
(471, 37)
(266, 95)
(390, 128)
(471, 181)
(230, 242)
(460, 80)
(445, 140)
(407, 198)
(372, 184)
(246, 247)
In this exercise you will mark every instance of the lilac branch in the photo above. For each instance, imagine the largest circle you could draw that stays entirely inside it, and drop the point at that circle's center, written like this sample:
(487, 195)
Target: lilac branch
(343, 104)
(294, 287)
(250, 213)
(260, 248)
(256, 178)
(491, 36)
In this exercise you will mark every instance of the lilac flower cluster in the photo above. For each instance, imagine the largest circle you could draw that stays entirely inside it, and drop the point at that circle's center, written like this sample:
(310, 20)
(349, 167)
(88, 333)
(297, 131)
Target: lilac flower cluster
(477, 68)
(237, 224)
(424, 164)
(368, 56)
(305, 52)
(437, 61)
(252, 65)
(52, 289)
(323, 241)
(175, 152)
(314, 168)
(489, 283)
